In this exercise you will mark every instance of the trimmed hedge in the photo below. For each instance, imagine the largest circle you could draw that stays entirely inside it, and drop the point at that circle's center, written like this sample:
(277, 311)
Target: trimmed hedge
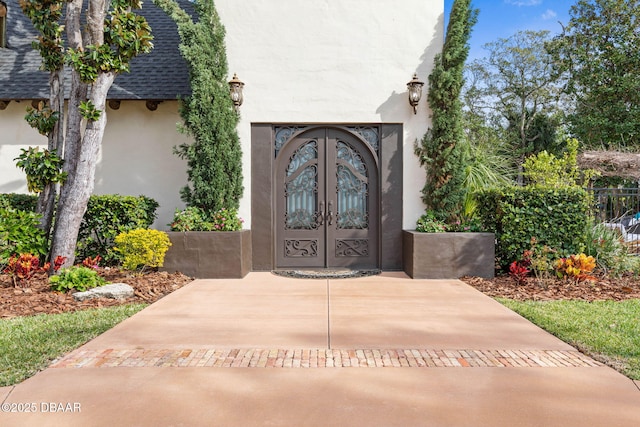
(105, 218)
(19, 202)
(557, 218)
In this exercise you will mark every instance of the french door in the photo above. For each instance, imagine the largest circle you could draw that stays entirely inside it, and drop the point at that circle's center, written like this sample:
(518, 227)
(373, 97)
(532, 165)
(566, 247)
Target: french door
(326, 202)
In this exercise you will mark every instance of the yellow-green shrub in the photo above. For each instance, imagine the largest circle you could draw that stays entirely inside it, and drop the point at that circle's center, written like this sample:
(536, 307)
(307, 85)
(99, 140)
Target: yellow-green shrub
(141, 248)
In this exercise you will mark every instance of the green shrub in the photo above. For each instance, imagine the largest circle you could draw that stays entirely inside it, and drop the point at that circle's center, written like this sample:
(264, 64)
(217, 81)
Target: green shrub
(77, 277)
(606, 245)
(546, 170)
(190, 219)
(542, 259)
(465, 224)
(428, 223)
(556, 218)
(442, 149)
(19, 233)
(226, 220)
(214, 155)
(106, 217)
(195, 219)
(142, 248)
(20, 202)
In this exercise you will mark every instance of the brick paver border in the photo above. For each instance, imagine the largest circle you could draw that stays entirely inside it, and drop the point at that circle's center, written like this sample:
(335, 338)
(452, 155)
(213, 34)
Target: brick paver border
(324, 358)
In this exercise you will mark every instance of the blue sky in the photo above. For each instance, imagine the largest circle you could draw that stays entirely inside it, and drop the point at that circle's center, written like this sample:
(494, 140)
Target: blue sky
(503, 18)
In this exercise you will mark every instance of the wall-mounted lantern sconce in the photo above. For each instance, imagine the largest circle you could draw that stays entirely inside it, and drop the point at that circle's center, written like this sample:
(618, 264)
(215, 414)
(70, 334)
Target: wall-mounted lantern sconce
(415, 92)
(235, 88)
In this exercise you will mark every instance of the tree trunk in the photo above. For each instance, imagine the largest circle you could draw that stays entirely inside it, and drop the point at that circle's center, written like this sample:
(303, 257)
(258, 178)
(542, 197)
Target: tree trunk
(79, 187)
(77, 92)
(47, 197)
(522, 133)
(95, 22)
(81, 150)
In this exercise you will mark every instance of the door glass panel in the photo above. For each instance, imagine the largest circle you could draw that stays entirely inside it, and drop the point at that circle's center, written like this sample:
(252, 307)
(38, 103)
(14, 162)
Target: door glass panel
(301, 188)
(352, 189)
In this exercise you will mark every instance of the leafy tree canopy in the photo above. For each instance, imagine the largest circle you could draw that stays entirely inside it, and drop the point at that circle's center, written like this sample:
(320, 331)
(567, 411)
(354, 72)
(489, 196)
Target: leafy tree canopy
(515, 89)
(97, 40)
(599, 49)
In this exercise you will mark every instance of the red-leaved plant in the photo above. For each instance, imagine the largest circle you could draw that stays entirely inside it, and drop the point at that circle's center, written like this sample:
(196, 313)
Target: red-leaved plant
(92, 262)
(519, 270)
(21, 268)
(57, 263)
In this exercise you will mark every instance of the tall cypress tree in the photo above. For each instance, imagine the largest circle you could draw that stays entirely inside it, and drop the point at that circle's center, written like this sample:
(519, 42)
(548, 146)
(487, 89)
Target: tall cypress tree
(214, 159)
(440, 150)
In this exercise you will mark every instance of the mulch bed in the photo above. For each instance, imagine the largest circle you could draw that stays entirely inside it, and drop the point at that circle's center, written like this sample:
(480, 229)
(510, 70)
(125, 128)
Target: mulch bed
(35, 296)
(604, 288)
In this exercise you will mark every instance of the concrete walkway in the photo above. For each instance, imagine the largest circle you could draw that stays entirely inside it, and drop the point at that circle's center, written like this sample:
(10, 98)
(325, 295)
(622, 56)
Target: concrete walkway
(375, 351)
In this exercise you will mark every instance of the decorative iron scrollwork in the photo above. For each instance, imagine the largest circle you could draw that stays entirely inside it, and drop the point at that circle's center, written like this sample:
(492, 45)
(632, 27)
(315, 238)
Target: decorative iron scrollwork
(352, 247)
(352, 189)
(301, 219)
(301, 191)
(302, 155)
(298, 248)
(369, 134)
(283, 134)
(353, 219)
(352, 157)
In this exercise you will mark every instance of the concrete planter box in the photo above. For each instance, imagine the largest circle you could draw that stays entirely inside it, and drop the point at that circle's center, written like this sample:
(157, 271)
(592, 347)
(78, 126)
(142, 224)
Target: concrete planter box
(448, 255)
(209, 254)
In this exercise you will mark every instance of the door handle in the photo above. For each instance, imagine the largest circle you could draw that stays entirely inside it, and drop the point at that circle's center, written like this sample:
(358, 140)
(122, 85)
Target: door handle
(320, 215)
(330, 214)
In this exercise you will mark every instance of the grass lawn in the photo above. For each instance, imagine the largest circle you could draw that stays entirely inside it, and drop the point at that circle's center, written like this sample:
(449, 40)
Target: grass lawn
(29, 344)
(609, 331)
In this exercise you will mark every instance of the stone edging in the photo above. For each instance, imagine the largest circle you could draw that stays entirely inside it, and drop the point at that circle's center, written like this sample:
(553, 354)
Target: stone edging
(324, 358)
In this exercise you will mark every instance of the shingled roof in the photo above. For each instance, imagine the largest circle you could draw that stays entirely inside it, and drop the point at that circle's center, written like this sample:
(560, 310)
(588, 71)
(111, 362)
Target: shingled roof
(159, 75)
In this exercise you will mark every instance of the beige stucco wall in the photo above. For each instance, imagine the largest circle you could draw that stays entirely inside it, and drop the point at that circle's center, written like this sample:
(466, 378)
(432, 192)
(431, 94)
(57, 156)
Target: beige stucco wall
(317, 61)
(329, 61)
(15, 134)
(136, 156)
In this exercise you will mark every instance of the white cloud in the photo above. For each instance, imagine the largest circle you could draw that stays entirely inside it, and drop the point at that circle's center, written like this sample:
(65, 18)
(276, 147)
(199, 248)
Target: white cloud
(524, 2)
(549, 14)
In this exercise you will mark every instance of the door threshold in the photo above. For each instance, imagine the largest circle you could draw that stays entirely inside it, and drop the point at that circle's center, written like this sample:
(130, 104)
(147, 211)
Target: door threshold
(325, 273)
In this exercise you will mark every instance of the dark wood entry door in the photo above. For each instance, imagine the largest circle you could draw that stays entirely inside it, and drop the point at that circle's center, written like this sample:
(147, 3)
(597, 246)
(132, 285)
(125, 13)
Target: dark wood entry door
(327, 202)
